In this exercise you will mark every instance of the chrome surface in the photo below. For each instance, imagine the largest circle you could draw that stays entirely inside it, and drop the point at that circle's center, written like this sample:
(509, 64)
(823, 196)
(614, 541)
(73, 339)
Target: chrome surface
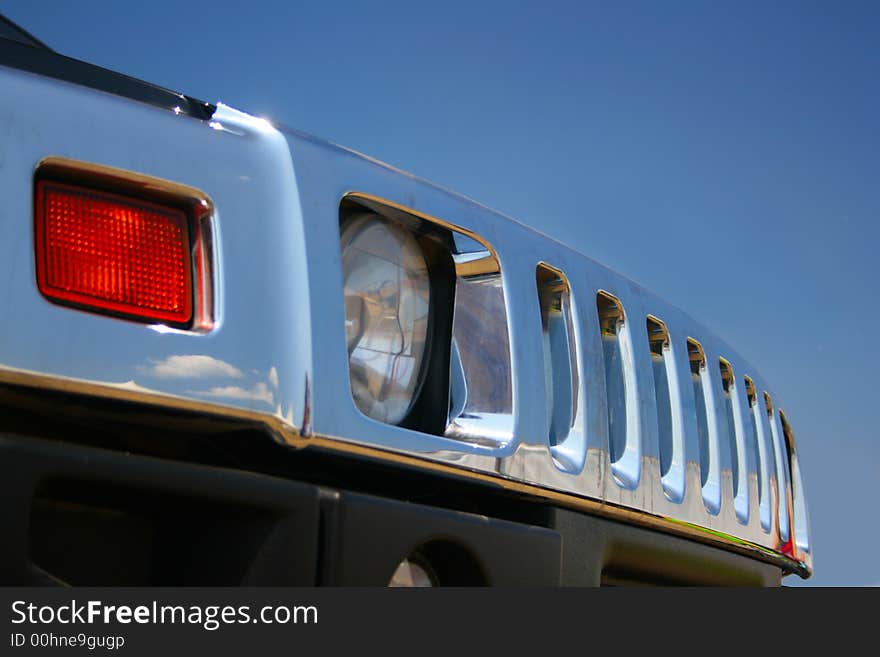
(277, 353)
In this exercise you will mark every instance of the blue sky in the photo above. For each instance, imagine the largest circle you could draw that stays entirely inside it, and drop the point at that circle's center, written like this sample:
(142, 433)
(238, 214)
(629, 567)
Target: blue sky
(725, 155)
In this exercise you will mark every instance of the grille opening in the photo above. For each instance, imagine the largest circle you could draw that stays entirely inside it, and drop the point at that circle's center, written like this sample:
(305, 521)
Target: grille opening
(86, 533)
(752, 397)
(480, 409)
(699, 376)
(799, 507)
(728, 386)
(780, 457)
(658, 340)
(611, 323)
(788, 435)
(561, 380)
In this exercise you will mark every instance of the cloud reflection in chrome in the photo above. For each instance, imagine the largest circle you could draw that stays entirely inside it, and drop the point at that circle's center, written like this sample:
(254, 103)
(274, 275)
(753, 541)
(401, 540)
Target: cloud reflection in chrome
(258, 392)
(192, 366)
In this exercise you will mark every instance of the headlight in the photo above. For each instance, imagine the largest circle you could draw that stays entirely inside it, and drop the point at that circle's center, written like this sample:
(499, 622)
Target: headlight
(387, 299)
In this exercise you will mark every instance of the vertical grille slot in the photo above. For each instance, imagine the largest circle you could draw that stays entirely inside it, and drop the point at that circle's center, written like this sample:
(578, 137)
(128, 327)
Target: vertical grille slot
(669, 421)
(707, 428)
(623, 436)
(735, 441)
(658, 340)
(782, 470)
(751, 399)
(765, 455)
(697, 360)
(799, 507)
(561, 379)
(728, 387)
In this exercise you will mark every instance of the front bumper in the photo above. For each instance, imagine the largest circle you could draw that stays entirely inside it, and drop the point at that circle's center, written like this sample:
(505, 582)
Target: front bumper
(85, 516)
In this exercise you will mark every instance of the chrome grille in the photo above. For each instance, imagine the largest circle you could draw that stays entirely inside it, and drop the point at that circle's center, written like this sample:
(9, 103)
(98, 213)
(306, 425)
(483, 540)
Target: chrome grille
(721, 440)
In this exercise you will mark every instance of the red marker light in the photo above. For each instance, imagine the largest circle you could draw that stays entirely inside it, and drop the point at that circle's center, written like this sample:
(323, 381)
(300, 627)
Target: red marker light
(110, 253)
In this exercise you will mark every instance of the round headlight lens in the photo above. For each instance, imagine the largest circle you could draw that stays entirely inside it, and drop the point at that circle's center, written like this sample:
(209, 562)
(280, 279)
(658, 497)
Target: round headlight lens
(387, 298)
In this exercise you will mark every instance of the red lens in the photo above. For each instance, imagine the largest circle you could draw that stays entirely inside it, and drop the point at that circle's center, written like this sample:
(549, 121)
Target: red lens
(112, 253)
